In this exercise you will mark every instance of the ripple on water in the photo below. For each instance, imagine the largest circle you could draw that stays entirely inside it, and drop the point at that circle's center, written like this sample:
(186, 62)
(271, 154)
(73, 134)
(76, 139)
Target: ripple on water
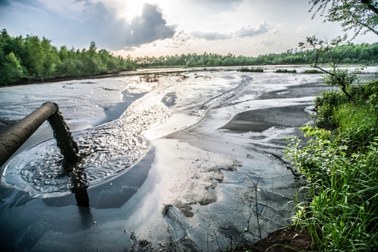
(106, 151)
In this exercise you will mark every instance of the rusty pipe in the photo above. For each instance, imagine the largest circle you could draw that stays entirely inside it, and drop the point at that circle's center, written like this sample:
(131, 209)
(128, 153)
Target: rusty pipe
(14, 137)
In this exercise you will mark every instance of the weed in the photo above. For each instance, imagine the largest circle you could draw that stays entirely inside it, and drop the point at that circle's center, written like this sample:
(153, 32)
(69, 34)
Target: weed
(340, 164)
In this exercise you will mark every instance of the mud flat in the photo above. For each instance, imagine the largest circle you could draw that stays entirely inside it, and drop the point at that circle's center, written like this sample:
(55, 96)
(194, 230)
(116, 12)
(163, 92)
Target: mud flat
(195, 164)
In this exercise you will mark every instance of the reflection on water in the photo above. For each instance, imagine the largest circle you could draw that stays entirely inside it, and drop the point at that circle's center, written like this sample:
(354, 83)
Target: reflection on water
(81, 196)
(79, 187)
(86, 217)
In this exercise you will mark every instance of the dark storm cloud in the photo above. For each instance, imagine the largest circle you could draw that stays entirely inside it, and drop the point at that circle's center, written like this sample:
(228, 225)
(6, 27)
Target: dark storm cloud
(23, 2)
(96, 22)
(241, 33)
(149, 27)
(104, 27)
(4, 2)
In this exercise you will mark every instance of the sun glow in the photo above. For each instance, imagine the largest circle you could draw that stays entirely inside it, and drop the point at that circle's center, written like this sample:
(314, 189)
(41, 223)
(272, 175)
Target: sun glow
(132, 9)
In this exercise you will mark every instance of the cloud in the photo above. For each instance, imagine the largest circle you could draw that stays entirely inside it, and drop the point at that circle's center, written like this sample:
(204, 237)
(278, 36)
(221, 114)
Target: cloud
(252, 31)
(217, 5)
(211, 35)
(92, 21)
(4, 2)
(243, 32)
(116, 33)
(150, 26)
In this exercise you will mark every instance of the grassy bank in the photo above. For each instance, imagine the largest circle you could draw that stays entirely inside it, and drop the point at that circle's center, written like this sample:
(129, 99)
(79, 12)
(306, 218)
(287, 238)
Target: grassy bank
(340, 162)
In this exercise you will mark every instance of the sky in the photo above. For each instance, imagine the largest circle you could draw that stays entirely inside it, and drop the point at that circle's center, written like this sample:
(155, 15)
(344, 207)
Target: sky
(168, 27)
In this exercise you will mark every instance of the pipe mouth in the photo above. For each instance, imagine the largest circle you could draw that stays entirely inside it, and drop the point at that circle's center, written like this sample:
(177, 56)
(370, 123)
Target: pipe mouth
(42, 172)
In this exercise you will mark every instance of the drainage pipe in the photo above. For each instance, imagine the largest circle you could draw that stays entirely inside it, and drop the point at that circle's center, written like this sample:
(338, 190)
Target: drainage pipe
(14, 137)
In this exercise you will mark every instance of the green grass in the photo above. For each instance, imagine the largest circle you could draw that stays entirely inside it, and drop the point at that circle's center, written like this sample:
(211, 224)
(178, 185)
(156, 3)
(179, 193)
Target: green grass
(342, 215)
(341, 167)
(357, 123)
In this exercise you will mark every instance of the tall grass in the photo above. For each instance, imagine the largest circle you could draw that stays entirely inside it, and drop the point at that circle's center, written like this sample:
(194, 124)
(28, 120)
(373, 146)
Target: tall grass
(343, 213)
(341, 167)
(356, 123)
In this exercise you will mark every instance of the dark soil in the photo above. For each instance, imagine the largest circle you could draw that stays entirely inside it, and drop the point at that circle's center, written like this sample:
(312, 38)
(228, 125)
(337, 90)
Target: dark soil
(287, 239)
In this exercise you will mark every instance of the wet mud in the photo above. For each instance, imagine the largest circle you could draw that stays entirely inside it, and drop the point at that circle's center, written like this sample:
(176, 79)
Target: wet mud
(263, 119)
(193, 163)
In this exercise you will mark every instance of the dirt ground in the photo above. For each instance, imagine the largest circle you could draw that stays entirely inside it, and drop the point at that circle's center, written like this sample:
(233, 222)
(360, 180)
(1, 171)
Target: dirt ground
(286, 239)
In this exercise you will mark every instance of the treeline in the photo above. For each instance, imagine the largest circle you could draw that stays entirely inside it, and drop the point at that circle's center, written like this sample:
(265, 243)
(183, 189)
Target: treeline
(27, 59)
(347, 54)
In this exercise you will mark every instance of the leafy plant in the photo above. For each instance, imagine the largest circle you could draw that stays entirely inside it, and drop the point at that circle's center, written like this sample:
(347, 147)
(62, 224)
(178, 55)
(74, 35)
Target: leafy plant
(342, 215)
(340, 164)
(324, 106)
(359, 16)
(357, 123)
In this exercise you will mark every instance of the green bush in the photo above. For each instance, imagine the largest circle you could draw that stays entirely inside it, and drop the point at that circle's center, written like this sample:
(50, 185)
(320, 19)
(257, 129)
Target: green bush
(342, 215)
(324, 106)
(340, 163)
(367, 92)
(357, 123)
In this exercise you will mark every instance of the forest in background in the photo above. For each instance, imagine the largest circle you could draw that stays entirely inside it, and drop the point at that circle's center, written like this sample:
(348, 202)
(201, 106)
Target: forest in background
(30, 59)
(345, 54)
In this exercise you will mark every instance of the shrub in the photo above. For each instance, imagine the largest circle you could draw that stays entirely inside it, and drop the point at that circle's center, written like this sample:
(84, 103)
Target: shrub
(341, 170)
(255, 70)
(342, 215)
(356, 123)
(324, 106)
(312, 71)
(286, 71)
(366, 92)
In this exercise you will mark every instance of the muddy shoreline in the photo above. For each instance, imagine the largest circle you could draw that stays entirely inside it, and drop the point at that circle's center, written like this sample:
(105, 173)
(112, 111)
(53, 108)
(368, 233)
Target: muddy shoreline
(212, 178)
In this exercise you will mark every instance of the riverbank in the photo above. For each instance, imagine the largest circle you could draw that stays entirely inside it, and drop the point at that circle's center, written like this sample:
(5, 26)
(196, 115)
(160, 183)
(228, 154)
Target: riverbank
(283, 240)
(201, 187)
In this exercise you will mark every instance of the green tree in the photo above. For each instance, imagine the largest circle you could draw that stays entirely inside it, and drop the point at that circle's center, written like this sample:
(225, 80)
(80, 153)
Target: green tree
(359, 16)
(33, 57)
(11, 70)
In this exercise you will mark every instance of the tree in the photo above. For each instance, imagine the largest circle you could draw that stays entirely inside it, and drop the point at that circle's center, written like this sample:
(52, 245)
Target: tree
(329, 52)
(359, 16)
(32, 59)
(12, 69)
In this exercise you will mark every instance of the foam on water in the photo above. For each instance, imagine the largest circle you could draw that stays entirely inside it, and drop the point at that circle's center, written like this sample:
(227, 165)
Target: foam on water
(106, 151)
